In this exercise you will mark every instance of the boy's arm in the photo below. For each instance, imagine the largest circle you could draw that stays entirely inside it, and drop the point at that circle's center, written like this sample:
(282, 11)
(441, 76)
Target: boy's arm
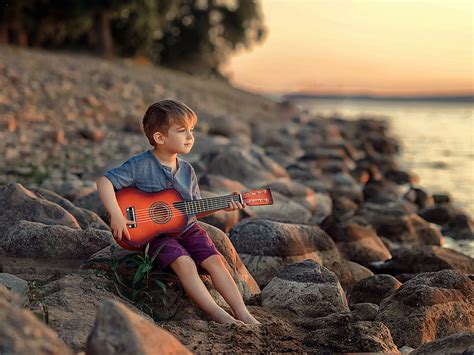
(107, 196)
(118, 223)
(233, 205)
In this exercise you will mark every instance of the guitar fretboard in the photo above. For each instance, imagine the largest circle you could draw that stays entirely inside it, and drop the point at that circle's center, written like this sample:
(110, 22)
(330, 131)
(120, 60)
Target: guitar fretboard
(205, 204)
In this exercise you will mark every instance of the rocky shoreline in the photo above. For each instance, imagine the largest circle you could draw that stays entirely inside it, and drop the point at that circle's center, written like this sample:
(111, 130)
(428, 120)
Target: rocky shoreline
(350, 257)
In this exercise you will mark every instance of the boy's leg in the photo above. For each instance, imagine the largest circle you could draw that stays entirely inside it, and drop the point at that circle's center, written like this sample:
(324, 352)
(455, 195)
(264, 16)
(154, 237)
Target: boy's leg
(185, 269)
(225, 284)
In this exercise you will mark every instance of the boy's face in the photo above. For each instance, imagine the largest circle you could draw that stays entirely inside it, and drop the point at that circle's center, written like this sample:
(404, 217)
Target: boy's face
(180, 139)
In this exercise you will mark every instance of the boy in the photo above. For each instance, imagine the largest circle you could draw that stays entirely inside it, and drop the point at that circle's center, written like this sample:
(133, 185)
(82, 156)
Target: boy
(168, 125)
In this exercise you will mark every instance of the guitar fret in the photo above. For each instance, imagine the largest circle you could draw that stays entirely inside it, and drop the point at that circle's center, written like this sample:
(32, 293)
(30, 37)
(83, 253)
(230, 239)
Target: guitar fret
(206, 204)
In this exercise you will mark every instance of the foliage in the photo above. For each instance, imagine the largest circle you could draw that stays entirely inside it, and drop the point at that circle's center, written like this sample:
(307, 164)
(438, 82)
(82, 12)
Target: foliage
(142, 283)
(34, 302)
(192, 35)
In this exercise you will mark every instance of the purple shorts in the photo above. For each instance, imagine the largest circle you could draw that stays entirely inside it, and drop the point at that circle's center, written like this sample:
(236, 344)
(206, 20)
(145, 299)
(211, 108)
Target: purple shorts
(194, 242)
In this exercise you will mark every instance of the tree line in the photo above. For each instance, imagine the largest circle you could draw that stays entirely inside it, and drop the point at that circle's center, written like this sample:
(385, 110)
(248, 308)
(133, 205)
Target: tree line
(195, 36)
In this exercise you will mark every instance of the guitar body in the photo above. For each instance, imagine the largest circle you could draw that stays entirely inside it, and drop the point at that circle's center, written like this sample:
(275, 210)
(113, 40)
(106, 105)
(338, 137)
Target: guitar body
(154, 214)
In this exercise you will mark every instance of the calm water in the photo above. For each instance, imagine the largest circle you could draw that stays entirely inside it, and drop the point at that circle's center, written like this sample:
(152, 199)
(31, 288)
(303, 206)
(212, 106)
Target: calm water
(437, 141)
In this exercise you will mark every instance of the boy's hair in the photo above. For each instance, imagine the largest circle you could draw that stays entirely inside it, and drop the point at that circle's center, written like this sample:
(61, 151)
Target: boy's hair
(162, 114)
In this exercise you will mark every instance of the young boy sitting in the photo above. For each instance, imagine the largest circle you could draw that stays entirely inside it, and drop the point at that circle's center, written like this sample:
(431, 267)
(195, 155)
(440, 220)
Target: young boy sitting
(168, 125)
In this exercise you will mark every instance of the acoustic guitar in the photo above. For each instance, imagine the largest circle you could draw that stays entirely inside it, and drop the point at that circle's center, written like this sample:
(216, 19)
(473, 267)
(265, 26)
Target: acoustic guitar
(166, 212)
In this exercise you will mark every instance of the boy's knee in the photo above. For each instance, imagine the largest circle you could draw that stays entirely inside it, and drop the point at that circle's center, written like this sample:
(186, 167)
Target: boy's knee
(183, 264)
(214, 261)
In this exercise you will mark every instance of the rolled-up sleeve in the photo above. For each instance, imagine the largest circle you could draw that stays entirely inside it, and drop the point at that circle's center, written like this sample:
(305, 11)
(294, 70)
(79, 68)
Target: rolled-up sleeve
(122, 176)
(195, 192)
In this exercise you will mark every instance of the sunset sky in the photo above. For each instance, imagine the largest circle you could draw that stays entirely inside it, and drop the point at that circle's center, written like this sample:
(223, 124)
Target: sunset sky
(361, 46)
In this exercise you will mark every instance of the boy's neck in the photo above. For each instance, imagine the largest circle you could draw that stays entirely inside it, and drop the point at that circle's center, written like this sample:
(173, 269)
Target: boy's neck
(166, 158)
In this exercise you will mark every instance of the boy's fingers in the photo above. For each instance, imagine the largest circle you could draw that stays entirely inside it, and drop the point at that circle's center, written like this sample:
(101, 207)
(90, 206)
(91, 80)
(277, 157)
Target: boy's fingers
(127, 234)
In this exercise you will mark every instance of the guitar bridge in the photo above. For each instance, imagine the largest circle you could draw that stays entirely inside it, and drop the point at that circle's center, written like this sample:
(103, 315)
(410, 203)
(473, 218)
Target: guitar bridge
(131, 217)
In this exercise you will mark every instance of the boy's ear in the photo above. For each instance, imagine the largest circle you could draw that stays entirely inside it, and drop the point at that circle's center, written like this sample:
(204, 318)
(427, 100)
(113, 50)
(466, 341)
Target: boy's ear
(158, 138)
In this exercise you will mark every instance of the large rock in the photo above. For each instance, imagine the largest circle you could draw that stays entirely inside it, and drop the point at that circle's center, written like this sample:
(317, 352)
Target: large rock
(219, 184)
(17, 203)
(249, 166)
(38, 240)
(306, 289)
(247, 285)
(283, 209)
(429, 306)
(72, 304)
(425, 259)
(85, 218)
(22, 333)
(373, 289)
(118, 330)
(398, 223)
(354, 337)
(358, 243)
(460, 343)
(266, 246)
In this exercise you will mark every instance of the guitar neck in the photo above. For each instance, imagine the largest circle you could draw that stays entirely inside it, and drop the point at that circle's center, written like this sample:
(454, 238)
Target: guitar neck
(206, 204)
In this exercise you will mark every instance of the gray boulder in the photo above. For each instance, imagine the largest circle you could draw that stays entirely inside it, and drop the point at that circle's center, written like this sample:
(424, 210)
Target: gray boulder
(306, 289)
(117, 329)
(266, 246)
(373, 289)
(429, 306)
(38, 240)
(460, 343)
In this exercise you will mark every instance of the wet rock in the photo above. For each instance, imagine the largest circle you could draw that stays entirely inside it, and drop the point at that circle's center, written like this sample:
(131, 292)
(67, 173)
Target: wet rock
(307, 289)
(428, 307)
(460, 226)
(373, 289)
(118, 330)
(439, 214)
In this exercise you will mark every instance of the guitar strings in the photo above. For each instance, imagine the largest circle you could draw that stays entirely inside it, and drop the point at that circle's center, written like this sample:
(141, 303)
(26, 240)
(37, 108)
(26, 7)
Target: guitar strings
(197, 202)
(143, 217)
(196, 207)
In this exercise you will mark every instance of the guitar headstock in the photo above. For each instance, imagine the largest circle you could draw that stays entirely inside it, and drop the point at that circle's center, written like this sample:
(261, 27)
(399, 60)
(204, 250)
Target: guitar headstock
(258, 197)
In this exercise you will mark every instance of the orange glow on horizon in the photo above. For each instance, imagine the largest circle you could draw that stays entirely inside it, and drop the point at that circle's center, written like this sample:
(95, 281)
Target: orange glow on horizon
(361, 46)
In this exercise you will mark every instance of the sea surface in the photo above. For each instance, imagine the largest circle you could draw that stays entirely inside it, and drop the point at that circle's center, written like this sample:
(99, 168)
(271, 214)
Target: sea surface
(436, 138)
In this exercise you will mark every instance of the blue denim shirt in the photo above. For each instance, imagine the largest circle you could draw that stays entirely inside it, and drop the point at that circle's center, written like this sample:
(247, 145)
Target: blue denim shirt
(145, 172)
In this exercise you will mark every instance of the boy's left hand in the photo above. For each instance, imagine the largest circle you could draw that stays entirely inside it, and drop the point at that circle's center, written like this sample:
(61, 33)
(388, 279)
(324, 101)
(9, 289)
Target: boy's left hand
(235, 205)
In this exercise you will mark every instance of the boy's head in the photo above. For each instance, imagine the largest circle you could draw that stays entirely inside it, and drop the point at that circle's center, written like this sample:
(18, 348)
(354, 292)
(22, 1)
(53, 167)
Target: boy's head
(163, 114)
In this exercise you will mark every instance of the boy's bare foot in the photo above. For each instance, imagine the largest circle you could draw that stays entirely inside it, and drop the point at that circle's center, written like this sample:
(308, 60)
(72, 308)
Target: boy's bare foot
(247, 318)
(221, 316)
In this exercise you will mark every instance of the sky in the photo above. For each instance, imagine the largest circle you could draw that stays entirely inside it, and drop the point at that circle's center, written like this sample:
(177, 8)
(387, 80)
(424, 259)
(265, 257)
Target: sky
(385, 47)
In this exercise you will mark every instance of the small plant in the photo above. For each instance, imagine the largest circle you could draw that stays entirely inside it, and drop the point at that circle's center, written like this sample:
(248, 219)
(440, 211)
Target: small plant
(35, 304)
(137, 280)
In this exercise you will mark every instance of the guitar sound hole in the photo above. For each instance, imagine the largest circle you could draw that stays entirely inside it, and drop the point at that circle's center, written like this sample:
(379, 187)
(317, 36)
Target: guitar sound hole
(160, 212)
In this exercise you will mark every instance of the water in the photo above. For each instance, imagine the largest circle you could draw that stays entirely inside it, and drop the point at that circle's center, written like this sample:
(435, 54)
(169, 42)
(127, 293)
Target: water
(437, 141)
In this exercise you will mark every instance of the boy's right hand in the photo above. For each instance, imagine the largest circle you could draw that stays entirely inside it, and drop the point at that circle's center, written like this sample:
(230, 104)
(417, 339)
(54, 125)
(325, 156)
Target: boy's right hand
(118, 224)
